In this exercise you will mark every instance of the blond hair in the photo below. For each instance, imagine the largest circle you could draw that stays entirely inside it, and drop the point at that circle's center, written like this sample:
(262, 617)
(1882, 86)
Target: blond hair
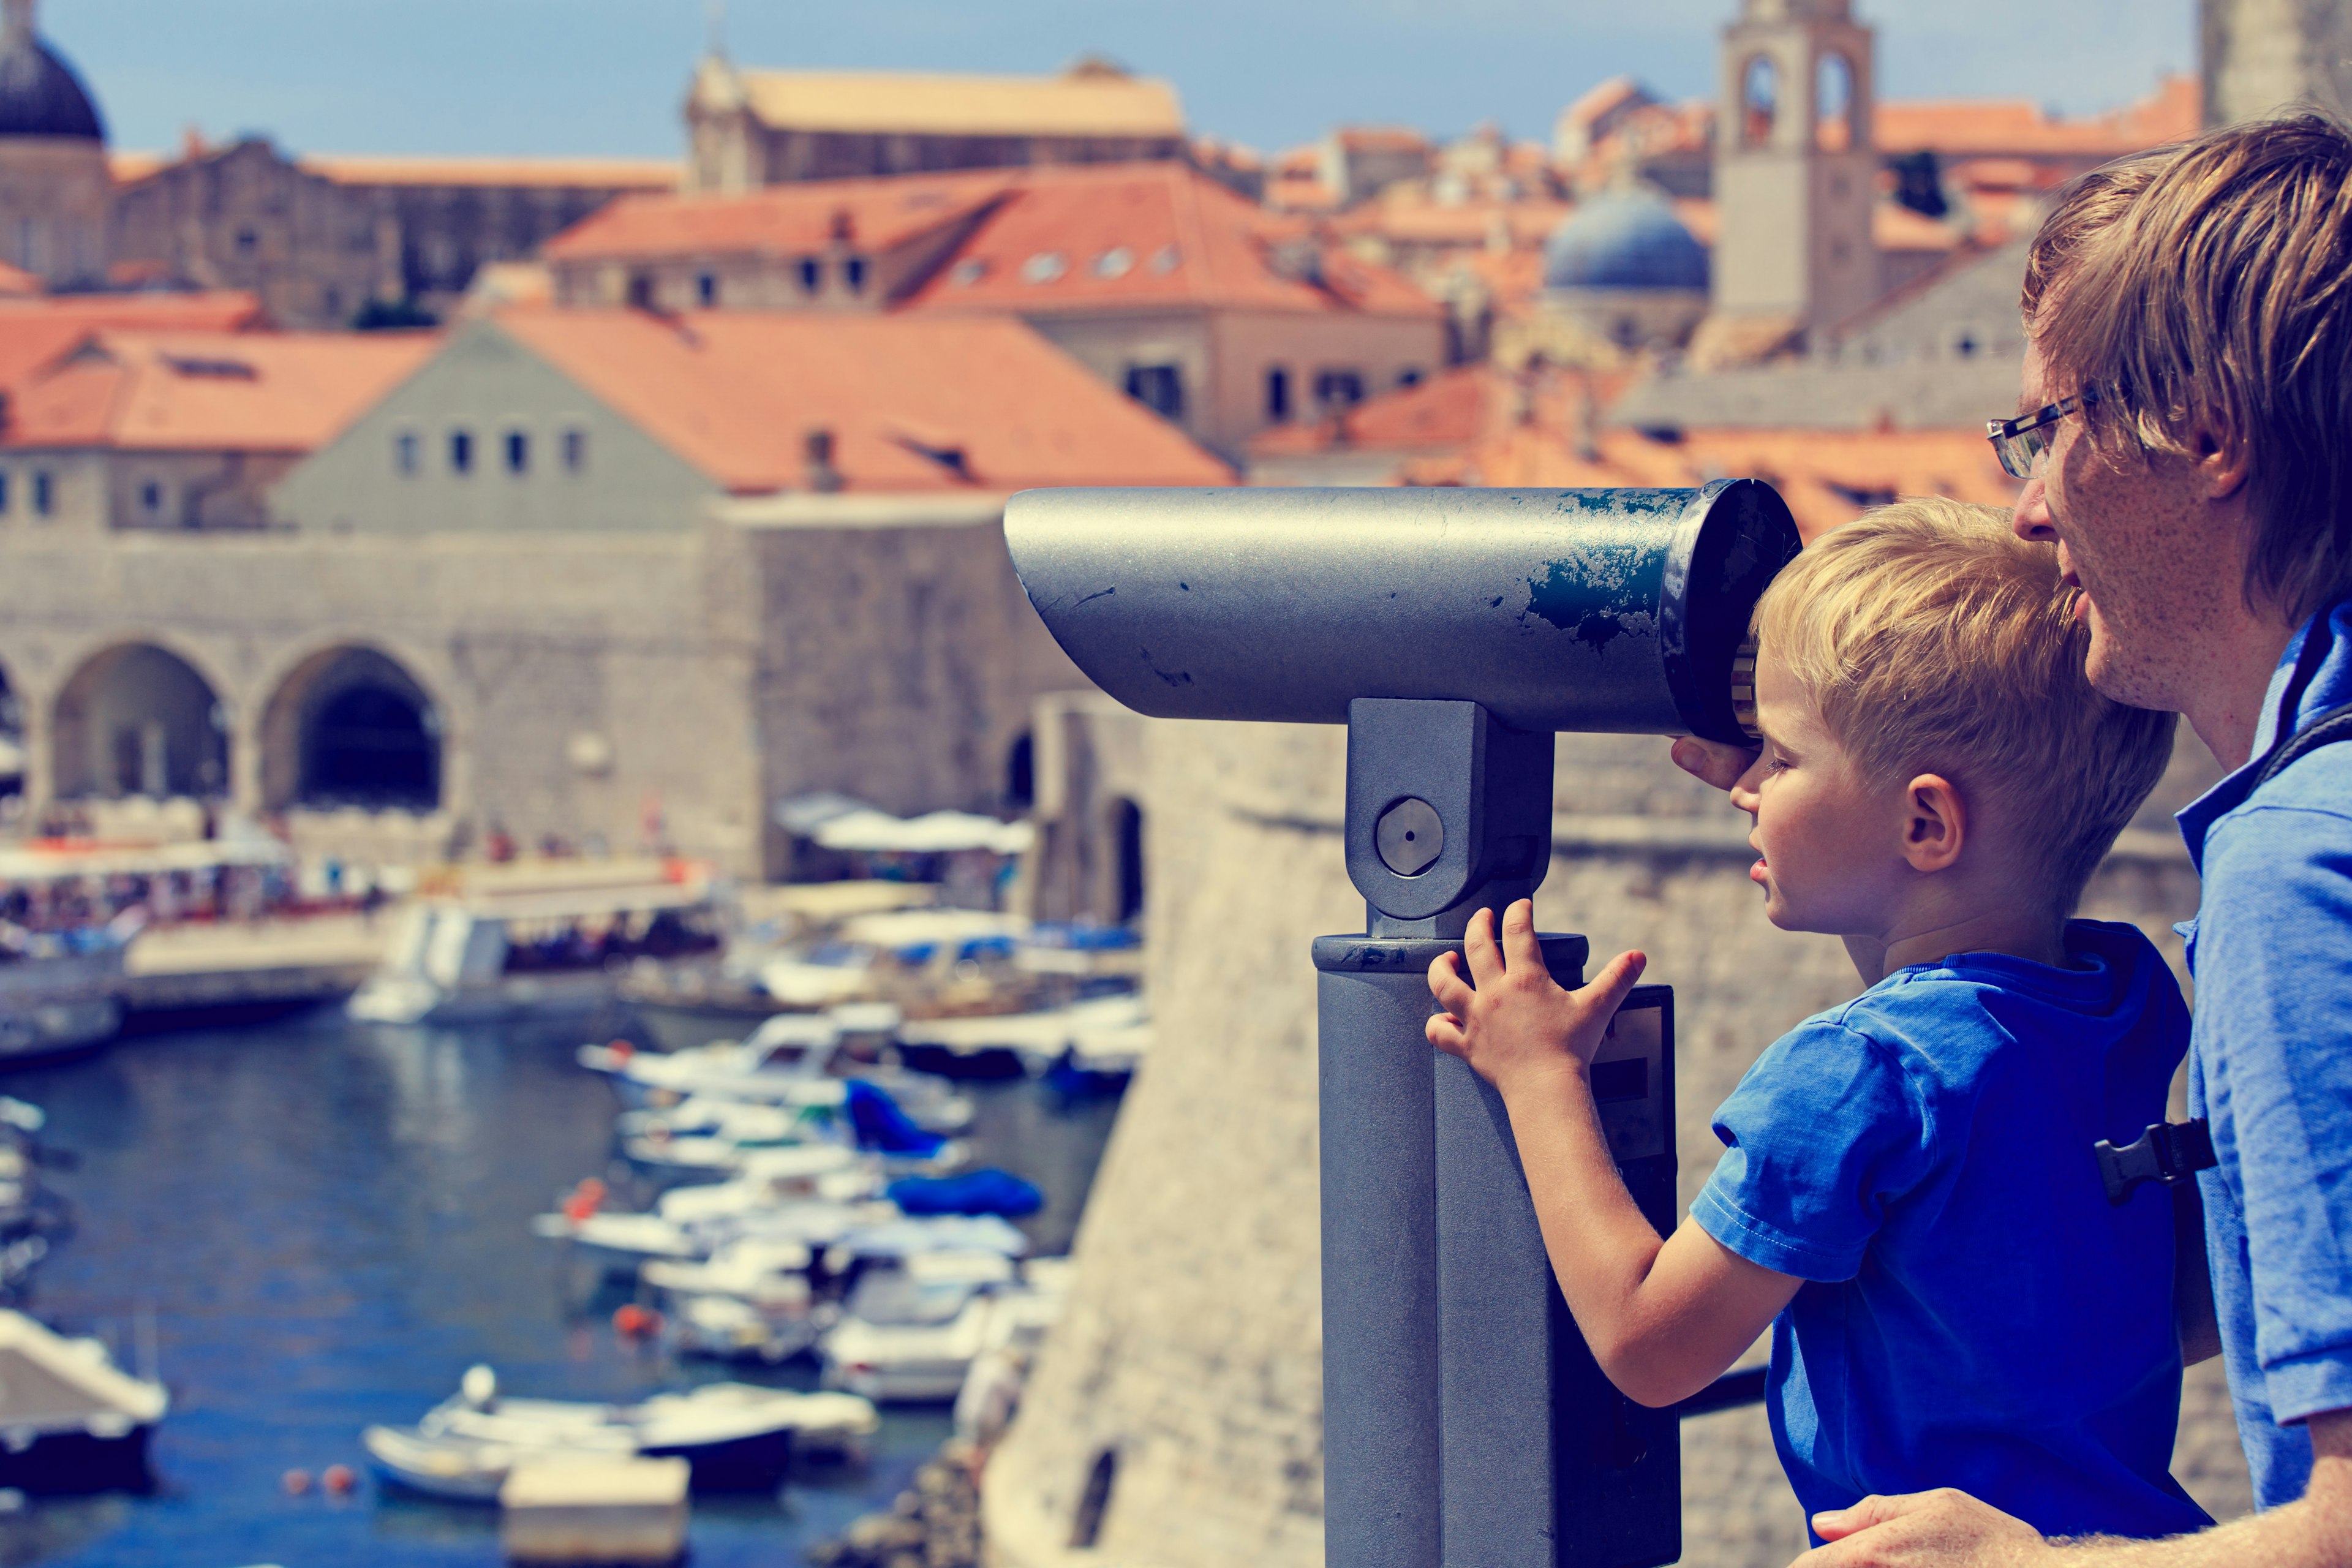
(1932, 639)
(2211, 281)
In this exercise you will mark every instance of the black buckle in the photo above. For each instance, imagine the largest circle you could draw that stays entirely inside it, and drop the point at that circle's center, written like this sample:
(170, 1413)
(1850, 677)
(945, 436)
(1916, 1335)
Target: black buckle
(2167, 1153)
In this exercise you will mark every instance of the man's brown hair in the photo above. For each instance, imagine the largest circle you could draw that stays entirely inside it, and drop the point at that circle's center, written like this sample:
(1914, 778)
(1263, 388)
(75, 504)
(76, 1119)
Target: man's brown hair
(2213, 280)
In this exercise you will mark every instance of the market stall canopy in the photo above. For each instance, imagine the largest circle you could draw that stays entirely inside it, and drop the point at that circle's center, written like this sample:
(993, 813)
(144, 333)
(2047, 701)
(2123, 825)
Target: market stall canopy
(937, 833)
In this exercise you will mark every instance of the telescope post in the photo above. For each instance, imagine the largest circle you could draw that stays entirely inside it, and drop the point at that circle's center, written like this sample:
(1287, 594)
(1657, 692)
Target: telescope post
(1465, 1424)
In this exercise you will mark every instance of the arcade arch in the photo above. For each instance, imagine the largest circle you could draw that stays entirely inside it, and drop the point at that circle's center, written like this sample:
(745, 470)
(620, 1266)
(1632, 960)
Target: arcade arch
(1759, 101)
(138, 719)
(1834, 109)
(350, 726)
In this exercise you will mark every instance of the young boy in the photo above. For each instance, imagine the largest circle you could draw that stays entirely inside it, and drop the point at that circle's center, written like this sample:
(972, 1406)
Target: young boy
(1908, 1192)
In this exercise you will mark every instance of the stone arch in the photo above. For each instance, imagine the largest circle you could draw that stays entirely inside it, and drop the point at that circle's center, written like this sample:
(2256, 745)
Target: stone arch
(136, 719)
(1759, 101)
(351, 725)
(1836, 105)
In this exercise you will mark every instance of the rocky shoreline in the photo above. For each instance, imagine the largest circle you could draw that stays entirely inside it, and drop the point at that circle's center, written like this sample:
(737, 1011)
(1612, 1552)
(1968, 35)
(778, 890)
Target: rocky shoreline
(935, 1523)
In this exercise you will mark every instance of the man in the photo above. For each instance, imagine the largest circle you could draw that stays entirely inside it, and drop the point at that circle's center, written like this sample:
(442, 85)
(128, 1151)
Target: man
(2185, 435)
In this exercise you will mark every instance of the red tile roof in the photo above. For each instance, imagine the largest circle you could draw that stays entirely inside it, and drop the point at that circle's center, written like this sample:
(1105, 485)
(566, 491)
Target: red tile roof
(35, 332)
(913, 404)
(781, 220)
(1090, 237)
(194, 391)
(2016, 127)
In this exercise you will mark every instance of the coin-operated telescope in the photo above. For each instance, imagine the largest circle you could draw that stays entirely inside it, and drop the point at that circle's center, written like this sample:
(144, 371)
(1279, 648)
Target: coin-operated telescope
(1453, 631)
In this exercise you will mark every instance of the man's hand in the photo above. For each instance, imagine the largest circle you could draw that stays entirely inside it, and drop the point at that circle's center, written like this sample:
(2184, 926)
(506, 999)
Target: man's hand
(1519, 1022)
(1712, 760)
(1948, 1528)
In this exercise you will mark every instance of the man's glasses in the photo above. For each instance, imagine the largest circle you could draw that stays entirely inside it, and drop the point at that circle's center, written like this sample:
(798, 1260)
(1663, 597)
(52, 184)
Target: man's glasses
(2023, 443)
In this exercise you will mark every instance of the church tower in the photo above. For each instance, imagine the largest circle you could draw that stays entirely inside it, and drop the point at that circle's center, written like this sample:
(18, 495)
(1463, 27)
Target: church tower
(1795, 171)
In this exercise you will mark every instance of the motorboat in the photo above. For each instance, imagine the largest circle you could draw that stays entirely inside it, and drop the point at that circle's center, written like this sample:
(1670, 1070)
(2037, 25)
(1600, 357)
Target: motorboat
(795, 1060)
(1107, 1036)
(495, 951)
(70, 1420)
(736, 1437)
(911, 1335)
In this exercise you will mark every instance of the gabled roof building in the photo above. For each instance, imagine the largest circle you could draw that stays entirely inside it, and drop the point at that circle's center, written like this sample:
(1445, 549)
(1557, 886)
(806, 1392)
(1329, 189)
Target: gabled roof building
(1222, 317)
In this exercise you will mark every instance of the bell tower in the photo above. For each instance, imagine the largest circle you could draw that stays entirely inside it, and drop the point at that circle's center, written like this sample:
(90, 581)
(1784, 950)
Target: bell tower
(1795, 169)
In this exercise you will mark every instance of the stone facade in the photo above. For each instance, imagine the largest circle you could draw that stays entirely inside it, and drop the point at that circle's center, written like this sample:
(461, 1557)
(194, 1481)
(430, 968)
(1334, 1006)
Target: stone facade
(624, 689)
(1192, 1348)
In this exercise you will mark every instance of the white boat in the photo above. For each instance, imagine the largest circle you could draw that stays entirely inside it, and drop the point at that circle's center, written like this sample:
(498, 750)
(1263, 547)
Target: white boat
(62, 994)
(489, 954)
(795, 1060)
(70, 1420)
(1108, 1035)
(737, 1438)
(911, 1336)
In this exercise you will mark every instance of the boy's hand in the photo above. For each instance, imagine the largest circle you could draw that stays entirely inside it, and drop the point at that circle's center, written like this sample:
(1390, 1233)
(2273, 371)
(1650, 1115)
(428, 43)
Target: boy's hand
(1518, 1023)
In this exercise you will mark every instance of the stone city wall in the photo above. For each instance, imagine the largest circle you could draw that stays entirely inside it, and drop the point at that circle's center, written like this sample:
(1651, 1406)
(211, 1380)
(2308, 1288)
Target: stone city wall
(1192, 1348)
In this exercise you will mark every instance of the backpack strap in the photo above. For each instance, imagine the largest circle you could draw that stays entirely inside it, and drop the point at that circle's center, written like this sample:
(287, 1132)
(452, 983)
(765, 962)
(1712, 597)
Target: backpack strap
(2331, 726)
(2167, 1153)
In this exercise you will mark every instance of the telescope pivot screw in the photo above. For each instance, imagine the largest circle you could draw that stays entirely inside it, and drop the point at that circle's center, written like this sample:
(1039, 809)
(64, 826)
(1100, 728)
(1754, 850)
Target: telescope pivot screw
(1410, 837)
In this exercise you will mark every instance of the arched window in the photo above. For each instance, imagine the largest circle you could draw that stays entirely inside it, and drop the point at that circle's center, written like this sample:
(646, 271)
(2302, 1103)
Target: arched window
(136, 720)
(1126, 821)
(350, 727)
(1021, 773)
(1834, 129)
(1759, 102)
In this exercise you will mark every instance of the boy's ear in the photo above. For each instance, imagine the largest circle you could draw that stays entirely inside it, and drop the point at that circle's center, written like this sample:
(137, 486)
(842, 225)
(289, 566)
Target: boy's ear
(1935, 823)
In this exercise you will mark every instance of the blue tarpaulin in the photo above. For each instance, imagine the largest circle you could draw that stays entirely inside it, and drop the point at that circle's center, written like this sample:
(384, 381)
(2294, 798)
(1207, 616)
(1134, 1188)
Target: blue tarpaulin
(974, 1191)
(882, 1128)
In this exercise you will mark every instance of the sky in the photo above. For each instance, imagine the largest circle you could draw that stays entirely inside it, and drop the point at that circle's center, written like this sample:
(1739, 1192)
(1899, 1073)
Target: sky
(607, 77)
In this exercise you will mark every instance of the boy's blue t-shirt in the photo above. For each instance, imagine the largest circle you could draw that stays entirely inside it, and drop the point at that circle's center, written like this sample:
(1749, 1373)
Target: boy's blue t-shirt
(1977, 1314)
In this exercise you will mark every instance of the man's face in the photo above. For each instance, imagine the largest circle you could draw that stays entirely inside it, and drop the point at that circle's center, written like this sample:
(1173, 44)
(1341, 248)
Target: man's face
(2136, 535)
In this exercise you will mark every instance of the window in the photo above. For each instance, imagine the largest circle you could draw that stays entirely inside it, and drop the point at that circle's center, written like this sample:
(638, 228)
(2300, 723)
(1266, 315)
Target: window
(404, 452)
(575, 450)
(1165, 259)
(151, 498)
(1044, 267)
(1278, 395)
(705, 290)
(1338, 388)
(968, 271)
(641, 291)
(812, 274)
(518, 452)
(4, 492)
(1159, 387)
(461, 451)
(45, 493)
(853, 272)
(1116, 262)
(1409, 376)
(248, 242)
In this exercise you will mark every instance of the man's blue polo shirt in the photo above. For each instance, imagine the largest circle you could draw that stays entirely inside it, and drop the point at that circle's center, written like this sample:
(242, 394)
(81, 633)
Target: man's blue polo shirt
(1977, 1314)
(2271, 1067)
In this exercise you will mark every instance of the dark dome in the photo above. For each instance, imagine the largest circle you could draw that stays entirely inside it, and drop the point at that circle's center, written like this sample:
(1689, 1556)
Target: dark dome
(39, 94)
(1624, 239)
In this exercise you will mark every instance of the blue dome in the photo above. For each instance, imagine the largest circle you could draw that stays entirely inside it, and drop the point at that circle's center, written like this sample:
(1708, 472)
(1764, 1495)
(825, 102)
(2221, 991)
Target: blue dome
(39, 94)
(1624, 239)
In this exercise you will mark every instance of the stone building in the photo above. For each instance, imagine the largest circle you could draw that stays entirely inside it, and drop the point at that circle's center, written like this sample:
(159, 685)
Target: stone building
(131, 429)
(752, 127)
(54, 184)
(320, 239)
(1623, 274)
(1216, 315)
(579, 571)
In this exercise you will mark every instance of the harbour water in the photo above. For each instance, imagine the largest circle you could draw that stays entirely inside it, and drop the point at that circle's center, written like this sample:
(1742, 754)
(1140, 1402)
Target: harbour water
(315, 1225)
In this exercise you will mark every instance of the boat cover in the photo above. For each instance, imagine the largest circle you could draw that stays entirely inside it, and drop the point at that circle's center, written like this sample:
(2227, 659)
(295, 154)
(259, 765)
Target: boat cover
(991, 1191)
(882, 1128)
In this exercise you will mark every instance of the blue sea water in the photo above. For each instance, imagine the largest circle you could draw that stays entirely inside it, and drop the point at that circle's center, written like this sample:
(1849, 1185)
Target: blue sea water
(326, 1223)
